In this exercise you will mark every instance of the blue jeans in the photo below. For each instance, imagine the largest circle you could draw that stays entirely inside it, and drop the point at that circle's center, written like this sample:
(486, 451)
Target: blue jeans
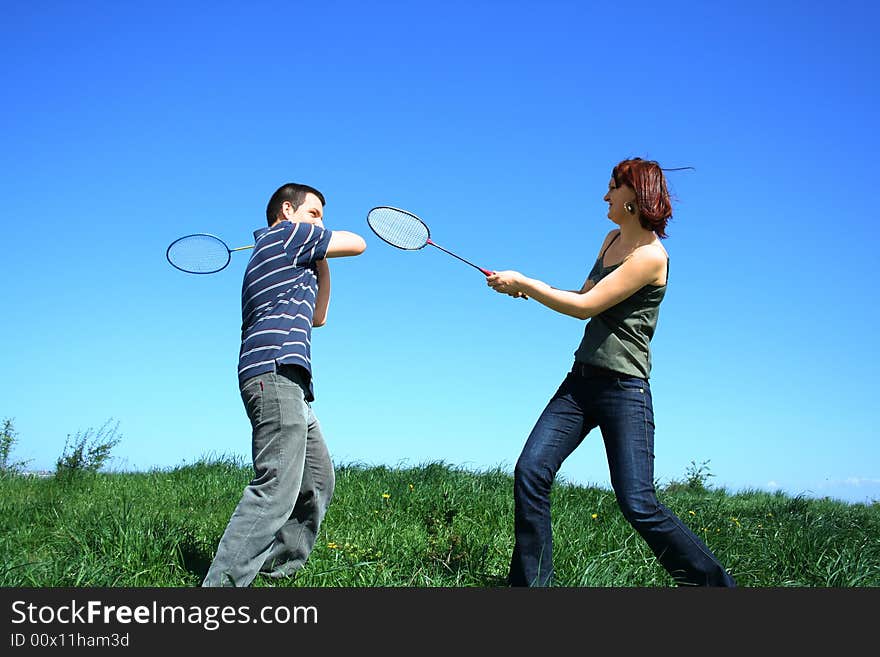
(274, 527)
(621, 407)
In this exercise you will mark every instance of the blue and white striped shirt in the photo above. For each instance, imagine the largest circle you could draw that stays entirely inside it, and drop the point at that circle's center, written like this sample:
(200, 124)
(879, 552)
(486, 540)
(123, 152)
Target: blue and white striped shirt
(278, 298)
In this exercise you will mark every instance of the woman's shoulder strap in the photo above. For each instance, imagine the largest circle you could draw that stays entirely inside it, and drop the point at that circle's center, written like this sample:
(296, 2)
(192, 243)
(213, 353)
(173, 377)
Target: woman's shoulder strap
(616, 235)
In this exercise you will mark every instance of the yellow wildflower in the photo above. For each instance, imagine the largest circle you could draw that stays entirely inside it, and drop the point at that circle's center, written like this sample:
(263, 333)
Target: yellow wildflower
(386, 496)
(595, 515)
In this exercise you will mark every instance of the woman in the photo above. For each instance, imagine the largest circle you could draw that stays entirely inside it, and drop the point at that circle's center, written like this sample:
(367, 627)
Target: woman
(608, 387)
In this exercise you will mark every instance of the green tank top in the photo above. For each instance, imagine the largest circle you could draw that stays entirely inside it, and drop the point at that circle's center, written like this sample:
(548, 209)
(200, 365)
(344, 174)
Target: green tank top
(619, 338)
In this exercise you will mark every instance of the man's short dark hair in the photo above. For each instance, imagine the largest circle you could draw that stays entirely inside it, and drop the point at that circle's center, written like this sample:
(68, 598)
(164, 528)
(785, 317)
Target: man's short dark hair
(295, 193)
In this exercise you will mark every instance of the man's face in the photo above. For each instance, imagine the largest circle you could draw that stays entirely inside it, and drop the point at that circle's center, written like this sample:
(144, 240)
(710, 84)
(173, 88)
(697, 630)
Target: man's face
(310, 212)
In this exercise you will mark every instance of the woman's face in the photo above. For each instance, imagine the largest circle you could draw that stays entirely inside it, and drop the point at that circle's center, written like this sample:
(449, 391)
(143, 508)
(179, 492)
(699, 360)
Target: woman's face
(617, 197)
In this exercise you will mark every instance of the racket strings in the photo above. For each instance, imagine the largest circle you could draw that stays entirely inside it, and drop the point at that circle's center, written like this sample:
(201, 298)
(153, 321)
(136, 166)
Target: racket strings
(398, 228)
(198, 254)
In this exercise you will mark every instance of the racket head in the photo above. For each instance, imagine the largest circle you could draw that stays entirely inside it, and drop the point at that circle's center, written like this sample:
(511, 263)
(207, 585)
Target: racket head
(399, 228)
(201, 253)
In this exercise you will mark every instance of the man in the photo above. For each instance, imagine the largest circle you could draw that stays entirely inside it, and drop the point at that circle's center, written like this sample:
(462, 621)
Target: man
(285, 292)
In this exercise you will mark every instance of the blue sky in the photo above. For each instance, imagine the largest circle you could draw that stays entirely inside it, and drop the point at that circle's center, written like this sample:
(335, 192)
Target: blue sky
(127, 126)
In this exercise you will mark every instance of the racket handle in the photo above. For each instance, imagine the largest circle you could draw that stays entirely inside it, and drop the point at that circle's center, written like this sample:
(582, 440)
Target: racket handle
(486, 272)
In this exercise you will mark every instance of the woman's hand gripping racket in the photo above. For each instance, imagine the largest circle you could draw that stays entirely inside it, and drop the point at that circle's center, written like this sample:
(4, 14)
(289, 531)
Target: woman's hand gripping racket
(200, 253)
(406, 231)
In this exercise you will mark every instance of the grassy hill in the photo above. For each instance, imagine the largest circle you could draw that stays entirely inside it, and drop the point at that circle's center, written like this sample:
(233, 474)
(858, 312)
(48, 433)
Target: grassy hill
(429, 526)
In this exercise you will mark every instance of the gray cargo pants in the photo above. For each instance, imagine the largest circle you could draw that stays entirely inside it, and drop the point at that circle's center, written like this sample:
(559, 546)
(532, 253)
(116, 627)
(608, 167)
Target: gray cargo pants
(274, 527)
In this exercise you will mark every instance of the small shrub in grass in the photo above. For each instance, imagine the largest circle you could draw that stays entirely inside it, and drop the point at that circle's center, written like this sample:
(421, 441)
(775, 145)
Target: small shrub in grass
(696, 479)
(8, 437)
(87, 452)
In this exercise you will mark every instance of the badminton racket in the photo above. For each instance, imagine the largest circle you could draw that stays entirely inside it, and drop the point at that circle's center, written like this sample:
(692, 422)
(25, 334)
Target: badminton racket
(200, 253)
(405, 230)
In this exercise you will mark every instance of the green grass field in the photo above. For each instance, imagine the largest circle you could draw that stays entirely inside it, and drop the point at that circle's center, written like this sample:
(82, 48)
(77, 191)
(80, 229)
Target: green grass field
(429, 526)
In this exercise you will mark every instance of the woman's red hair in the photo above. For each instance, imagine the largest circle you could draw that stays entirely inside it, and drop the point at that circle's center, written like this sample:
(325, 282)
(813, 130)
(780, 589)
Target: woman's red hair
(646, 179)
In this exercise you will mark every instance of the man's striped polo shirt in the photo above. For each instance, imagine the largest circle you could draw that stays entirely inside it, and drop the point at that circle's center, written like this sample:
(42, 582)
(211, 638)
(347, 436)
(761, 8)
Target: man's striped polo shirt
(278, 298)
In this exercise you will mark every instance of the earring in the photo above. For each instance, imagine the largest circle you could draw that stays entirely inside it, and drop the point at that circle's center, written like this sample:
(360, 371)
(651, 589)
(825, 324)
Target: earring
(629, 207)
